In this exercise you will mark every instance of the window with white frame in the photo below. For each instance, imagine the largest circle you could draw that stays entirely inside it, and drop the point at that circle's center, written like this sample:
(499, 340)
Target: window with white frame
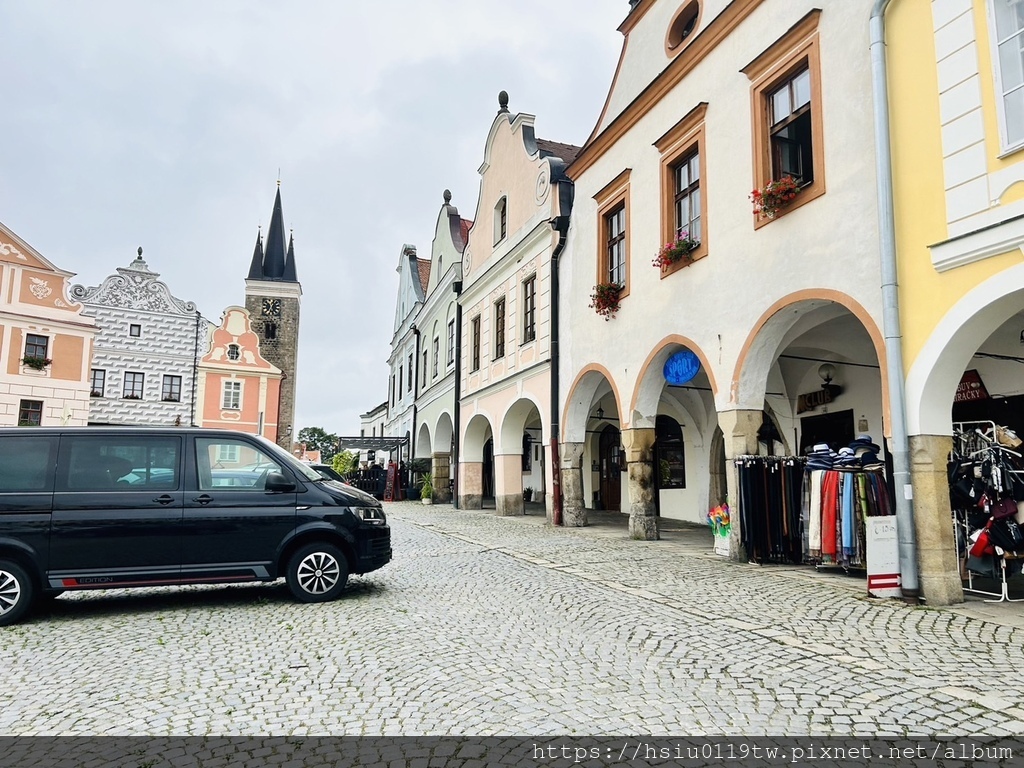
(97, 382)
(231, 399)
(1008, 28)
(530, 308)
(437, 353)
(451, 342)
(133, 386)
(227, 453)
(170, 392)
(36, 346)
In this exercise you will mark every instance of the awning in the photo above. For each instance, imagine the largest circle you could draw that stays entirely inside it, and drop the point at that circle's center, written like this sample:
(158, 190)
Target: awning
(372, 443)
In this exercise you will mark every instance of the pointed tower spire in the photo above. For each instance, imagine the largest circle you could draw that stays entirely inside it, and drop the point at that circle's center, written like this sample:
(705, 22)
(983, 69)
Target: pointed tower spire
(274, 250)
(289, 260)
(256, 267)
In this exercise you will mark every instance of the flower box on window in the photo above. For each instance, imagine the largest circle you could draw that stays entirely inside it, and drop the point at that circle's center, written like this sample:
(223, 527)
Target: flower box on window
(36, 363)
(132, 397)
(774, 196)
(676, 251)
(605, 299)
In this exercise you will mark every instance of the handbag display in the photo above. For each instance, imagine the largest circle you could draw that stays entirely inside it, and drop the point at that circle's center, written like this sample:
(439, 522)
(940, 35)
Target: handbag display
(981, 546)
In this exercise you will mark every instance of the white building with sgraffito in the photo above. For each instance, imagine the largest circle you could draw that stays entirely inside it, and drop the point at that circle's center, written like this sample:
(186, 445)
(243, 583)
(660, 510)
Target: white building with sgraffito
(146, 352)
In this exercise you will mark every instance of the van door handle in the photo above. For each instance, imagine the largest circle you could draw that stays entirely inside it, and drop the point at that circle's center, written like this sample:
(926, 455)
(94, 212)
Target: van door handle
(165, 499)
(204, 499)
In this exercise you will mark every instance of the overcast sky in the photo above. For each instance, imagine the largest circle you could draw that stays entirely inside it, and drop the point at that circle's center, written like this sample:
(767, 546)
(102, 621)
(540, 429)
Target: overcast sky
(163, 125)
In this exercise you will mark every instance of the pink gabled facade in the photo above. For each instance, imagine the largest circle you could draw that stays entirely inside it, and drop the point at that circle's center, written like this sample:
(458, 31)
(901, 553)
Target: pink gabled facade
(39, 320)
(238, 388)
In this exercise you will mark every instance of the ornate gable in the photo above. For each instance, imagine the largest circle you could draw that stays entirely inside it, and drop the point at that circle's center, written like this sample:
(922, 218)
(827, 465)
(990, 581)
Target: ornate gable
(134, 287)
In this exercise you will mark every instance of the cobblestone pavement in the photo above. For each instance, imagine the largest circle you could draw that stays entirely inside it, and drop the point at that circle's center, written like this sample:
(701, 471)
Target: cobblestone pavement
(502, 626)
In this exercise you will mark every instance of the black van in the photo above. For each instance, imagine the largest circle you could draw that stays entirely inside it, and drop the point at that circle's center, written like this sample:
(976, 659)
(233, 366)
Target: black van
(112, 507)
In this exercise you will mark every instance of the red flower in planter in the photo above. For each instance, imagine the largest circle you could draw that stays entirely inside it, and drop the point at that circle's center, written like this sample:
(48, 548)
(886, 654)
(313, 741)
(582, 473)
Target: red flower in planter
(774, 196)
(605, 299)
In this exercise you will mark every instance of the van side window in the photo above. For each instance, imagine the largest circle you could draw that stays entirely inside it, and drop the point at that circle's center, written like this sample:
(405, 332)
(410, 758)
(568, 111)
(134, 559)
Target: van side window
(121, 463)
(27, 464)
(226, 464)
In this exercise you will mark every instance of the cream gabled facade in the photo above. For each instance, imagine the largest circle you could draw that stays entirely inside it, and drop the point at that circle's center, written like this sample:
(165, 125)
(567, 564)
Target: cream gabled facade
(413, 275)
(145, 354)
(506, 334)
(957, 139)
(238, 388)
(707, 359)
(40, 320)
(436, 321)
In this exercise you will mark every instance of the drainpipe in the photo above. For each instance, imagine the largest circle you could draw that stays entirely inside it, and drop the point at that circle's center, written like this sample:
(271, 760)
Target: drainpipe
(453, 467)
(891, 311)
(561, 225)
(415, 393)
(195, 368)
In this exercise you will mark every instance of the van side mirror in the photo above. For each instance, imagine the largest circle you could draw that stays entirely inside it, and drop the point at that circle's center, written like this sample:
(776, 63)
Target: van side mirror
(278, 483)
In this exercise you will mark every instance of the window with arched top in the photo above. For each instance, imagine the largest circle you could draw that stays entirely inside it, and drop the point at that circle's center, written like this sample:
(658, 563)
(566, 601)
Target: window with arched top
(233, 352)
(500, 220)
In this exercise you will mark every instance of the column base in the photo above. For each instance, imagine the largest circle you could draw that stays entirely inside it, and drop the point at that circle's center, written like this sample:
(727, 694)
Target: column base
(643, 527)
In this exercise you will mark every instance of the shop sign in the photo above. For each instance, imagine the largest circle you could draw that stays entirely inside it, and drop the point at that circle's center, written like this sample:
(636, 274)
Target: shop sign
(883, 555)
(823, 396)
(970, 388)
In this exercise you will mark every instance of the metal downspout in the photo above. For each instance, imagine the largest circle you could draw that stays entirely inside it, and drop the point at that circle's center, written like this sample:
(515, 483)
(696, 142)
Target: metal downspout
(561, 225)
(457, 408)
(891, 310)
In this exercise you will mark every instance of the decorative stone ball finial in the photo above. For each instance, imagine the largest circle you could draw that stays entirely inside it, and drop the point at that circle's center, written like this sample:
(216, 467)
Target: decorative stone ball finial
(503, 101)
(140, 251)
(447, 196)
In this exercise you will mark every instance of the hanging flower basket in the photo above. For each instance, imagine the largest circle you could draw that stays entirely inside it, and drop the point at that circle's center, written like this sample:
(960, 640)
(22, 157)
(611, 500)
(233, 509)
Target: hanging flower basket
(676, 251)
(36, 363)
(605, 299)
(773, 197)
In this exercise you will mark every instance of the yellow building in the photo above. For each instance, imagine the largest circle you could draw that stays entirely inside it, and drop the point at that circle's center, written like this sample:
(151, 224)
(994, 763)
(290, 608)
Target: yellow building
(956, 127)
(45, 341)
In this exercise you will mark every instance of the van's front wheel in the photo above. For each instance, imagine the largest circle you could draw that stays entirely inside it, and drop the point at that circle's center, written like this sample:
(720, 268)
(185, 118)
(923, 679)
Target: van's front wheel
(317, 573)
(16, 592)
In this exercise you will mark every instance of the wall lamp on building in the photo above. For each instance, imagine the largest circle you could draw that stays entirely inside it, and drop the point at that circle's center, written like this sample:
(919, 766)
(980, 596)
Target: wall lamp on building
(827, 372)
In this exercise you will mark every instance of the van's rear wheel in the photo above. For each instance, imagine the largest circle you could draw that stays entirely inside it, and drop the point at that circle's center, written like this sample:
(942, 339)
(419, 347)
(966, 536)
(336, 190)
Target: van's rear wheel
(317, 573)
(16, 592)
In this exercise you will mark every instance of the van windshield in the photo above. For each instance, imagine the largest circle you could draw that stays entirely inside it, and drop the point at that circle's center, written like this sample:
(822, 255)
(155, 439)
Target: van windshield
(286, 458)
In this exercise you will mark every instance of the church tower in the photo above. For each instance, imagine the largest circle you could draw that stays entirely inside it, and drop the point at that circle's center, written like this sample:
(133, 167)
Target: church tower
(272, 295)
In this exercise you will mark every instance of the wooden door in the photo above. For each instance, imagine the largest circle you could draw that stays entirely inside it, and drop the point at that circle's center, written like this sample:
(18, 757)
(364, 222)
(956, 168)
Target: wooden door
(611, 468)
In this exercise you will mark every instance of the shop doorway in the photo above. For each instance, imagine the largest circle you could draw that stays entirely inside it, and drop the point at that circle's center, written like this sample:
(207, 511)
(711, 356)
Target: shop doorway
(835, 429)
(610, 454)
(488, 471)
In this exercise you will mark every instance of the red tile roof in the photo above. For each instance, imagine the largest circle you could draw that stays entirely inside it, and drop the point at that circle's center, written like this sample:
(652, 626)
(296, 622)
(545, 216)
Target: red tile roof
(464, 231)
(566, 152)
(424, 265)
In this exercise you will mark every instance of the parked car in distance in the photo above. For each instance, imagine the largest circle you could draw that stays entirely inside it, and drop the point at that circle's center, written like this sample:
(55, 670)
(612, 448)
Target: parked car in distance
(328, 473)
(114, 507)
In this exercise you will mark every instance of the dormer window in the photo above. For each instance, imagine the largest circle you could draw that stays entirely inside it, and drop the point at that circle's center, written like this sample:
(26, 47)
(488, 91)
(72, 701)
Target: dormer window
(683, 26)
(500, 220)
(233, 353)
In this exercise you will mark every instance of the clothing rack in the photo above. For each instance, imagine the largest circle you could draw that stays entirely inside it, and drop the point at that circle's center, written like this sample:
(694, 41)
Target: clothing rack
(771, 489)
(837, 502)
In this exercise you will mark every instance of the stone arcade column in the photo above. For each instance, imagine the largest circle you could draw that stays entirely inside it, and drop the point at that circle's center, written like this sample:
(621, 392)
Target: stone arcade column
(938, 564)
(739, 429)
(574, 512)
(441, 472)
(508, 484)
(471, 485)
(639, 445)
